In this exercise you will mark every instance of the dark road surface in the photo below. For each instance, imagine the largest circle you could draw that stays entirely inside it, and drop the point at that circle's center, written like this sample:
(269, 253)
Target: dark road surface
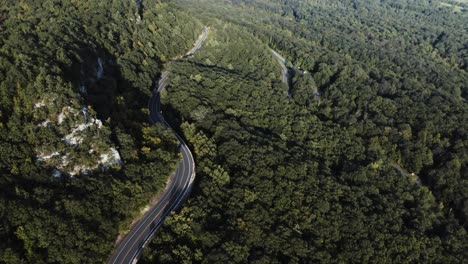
(131, 247)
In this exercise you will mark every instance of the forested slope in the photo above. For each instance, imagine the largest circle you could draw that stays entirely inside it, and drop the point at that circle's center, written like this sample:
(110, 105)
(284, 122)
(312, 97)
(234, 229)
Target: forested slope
(79, 159)
(367, 162)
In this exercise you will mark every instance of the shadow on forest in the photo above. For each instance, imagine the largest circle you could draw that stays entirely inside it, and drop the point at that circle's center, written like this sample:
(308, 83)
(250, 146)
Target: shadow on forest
(99, 81)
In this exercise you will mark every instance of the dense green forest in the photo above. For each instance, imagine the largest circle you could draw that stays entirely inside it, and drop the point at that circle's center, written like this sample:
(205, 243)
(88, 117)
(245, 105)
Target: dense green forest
(366, 162)
(360, 158)
(79, 159)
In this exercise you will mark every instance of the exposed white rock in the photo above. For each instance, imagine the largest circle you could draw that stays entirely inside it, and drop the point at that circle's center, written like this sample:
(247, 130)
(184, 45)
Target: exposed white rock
(45, 123)
(56, 173)
(44, 157)
(77, 169)
(61, 117)
(64, 162)
(39, 104)
(111, 158)
(116, 156)
(104, 158)
(97, 122)
(74, 138)
(63, 114)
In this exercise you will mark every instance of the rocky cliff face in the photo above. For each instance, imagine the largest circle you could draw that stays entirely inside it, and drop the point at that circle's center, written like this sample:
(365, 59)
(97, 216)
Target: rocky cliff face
(85, 143)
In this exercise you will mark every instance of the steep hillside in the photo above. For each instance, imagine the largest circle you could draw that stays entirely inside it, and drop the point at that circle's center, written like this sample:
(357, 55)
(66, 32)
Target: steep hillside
(366, 162)
(79, 159)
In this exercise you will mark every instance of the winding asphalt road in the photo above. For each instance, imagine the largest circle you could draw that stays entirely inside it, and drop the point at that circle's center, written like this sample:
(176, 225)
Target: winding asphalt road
(285, 71)
(131, 247)
(282, 62)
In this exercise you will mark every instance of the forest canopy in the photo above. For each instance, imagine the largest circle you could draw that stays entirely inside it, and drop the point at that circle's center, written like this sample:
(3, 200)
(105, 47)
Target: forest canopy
(352, 150)
(361, 157)
(79, 159)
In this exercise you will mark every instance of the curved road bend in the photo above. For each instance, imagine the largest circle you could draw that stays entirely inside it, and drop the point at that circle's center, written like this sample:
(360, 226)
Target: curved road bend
(282, 62)
(285, 71)
(131, 247)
